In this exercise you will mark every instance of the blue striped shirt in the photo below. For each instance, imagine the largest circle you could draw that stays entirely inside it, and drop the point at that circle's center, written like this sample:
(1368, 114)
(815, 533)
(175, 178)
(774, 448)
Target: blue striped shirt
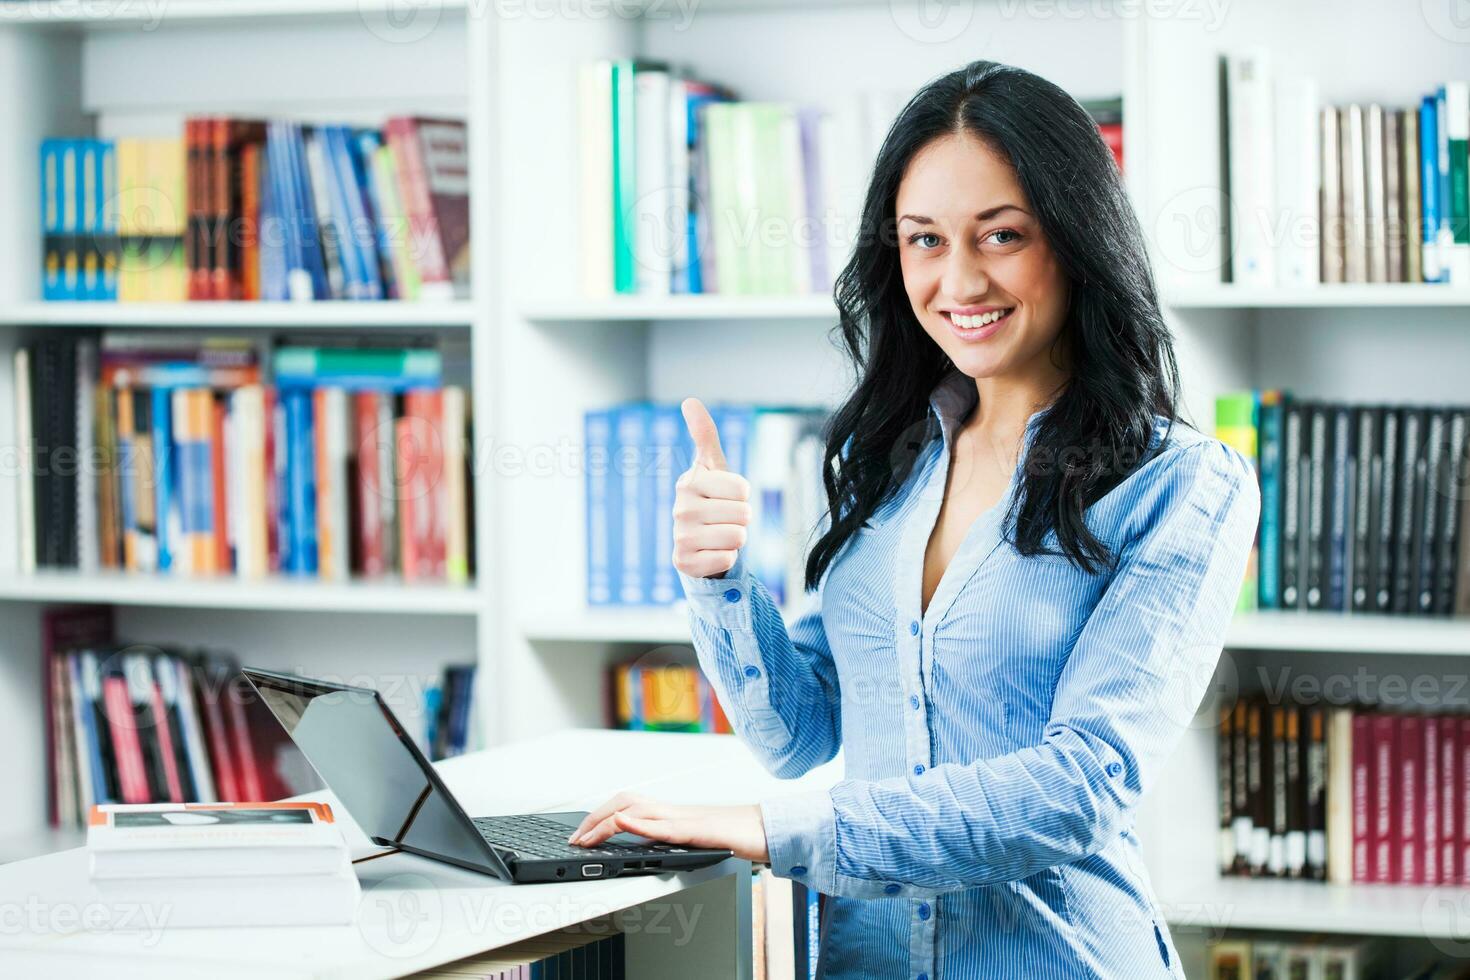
(997, 743)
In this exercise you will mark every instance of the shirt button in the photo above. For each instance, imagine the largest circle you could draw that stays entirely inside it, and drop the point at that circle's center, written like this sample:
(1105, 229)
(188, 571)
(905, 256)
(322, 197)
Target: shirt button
(797, 870)
(732, 595)
(919, 769)
(914, 701)
(752, 671)
(924, 910)
(922, 976)
(914, 628)
(890, 889)
(1114, 768)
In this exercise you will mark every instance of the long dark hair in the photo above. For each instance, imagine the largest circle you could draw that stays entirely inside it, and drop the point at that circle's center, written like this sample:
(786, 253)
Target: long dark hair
(1118, 349)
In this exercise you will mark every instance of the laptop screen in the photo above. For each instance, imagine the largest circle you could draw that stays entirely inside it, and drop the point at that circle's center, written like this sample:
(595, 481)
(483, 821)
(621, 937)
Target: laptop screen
(361, 751)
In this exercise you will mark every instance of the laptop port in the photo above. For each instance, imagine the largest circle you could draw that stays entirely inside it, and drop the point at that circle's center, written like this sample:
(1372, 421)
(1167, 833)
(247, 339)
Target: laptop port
(591, 871)
(634, 865)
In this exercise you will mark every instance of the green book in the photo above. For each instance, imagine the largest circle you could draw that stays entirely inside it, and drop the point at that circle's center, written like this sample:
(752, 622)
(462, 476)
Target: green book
(725, 206)
(1236, 421)
(625, 176)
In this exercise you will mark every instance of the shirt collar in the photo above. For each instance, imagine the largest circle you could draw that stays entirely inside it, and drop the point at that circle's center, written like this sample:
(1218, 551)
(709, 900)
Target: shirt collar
(956, 396)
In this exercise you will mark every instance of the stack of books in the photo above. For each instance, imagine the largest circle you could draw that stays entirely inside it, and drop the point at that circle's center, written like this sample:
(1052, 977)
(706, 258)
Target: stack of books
(683, 189)
(134, 723)
(1348, 193)
(223, 864)
(785, 926)
(451, 712)
(1362, 506)
(248, 209)
(644, 695)
(1362, 794)
(154, 452)
(636, 452)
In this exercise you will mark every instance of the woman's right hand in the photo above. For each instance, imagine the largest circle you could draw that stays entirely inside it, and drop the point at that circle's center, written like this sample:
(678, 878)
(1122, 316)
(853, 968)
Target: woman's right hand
(711, 504)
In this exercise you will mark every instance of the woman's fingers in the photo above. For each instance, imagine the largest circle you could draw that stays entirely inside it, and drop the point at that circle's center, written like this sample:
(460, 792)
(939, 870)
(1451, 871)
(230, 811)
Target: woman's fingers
(692, 511)
(715, 484)
(617, 802)
(704, 564)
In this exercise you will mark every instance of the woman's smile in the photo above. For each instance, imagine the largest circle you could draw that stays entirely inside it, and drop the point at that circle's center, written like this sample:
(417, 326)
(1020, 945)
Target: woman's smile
(974, 324)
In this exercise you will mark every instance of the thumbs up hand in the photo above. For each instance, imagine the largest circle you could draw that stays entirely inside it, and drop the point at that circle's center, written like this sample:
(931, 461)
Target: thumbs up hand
(711, 504)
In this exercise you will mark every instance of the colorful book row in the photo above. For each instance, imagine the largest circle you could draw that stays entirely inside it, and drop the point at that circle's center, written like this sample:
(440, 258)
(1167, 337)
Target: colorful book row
(1350, 193)
(646, 696)
(1343, 794)
(1362, 506)
(353, 464)
(247, 209)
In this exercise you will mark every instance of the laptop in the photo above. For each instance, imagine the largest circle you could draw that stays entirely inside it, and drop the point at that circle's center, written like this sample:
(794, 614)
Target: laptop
(352, 739)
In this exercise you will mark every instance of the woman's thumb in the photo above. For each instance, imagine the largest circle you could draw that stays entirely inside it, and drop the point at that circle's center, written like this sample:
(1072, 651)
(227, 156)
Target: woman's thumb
(706, 437)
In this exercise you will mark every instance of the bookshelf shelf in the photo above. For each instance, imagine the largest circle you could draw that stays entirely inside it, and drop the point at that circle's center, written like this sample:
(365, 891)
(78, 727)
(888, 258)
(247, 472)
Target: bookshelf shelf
(683, 307)
(326, 315)
(229, 593)
(657, 625)
(1310, 906)
(1227, 296)
(76, 14)
(1345, 633)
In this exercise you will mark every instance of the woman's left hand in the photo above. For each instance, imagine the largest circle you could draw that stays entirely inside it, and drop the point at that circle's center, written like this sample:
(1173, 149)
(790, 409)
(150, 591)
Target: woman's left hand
(737, 828)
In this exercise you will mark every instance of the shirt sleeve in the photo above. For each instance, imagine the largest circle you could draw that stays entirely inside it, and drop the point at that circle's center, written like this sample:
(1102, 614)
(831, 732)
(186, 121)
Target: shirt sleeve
(778, 687)
(1140, 667)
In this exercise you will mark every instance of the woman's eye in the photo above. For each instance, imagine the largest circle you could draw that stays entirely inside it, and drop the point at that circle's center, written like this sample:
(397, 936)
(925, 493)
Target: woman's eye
(924, 239)
(1011, 239)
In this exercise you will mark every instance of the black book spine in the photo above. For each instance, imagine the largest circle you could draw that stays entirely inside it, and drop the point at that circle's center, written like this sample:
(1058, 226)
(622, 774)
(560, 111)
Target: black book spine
(1386, 467)
(140, 686)
(1426, 542)
(1314, 747)
(1318, 456)
(1406, 520)
(1258, 776)
(1451, 490)
(1338, 492)
(1291, 509)
(1365, 444)
(1240, 788)
(1296, 817)
(1277, 788)
(1225, 788)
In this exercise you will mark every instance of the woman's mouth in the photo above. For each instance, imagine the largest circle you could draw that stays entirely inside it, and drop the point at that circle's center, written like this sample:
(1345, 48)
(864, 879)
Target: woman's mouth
(977, 326)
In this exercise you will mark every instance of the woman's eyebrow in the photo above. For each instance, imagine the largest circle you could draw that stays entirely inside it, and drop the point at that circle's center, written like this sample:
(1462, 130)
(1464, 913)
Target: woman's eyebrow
(985, 215)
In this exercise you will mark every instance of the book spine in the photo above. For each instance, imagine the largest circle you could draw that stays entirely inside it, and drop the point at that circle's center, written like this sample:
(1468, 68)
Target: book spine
(1385, 865)
(1412, 195)
(1224, 789)
(1429, 189)
(598, 429)
(1338, 488)
(369, 490)
(1242, 829)
(1269, 564)
(1448, 489)
(1457, 123)
(1291, 507)
(1364, 507)
(1409, 507)
(666, 426)
(1429, 808)
(1363, 811)
(1333, 230)
(1409, 767)
(425, 244)
(1258, 777)
(1278, 788)
(1315, 776)
(301, 487)
(1386, 475)
(1296, 794)
(632, 447)
(1318, 541)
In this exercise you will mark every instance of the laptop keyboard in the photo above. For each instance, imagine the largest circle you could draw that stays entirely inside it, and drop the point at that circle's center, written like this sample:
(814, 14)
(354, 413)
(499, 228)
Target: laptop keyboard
(539, 837)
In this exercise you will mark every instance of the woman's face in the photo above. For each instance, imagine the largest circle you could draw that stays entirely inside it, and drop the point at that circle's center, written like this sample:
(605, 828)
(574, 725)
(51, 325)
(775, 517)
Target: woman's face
(982, 280)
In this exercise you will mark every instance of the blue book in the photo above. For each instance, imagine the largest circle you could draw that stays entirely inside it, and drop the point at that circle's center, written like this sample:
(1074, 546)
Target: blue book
(53, 208)
(1429, 187)
(359, 227)
(280, 432)
(165, 482)
(433, 697)
(366, 147)
(1443, 239)
(1269, 571)
(601, 534)
(105, 181)
(339, 172)
(301, 481)
(633, 427)
(735, 423)
(464, 695)
(281, 213)
(86, 693)
(663, 470)
(306, 214)
(88, 273)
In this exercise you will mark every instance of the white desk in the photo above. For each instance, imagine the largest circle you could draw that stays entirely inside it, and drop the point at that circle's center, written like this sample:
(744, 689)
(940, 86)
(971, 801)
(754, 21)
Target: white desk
(416, 913)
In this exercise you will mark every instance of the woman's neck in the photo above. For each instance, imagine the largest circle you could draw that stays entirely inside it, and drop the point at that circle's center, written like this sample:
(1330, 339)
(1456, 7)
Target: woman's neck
(1007, 403)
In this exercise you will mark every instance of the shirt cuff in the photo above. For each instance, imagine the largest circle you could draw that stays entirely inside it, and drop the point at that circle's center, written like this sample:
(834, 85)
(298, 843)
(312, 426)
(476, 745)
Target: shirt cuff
(801, 838)
(723, 602)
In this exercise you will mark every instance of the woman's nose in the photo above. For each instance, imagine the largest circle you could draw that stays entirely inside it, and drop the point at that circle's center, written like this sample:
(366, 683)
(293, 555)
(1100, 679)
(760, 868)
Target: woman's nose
(964, 279)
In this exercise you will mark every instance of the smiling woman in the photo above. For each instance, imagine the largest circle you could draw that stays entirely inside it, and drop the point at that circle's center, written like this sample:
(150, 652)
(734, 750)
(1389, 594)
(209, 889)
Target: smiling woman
(1027, 568)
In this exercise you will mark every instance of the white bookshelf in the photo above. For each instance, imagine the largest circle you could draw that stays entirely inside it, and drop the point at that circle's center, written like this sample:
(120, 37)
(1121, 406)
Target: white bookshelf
(542, 355)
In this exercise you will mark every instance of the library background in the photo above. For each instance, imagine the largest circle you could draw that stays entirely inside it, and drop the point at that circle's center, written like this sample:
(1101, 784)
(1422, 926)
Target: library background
(346, 338)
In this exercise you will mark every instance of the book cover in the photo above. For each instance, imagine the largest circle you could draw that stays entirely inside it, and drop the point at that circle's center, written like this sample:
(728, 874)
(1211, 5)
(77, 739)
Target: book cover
(1292, 463)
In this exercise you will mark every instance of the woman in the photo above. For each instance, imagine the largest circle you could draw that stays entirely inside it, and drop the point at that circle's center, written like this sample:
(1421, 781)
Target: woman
(1024, 581)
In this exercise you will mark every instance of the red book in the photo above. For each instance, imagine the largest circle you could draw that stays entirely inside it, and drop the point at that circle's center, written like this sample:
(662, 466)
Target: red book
(127, 750)
(166, 748)
(1462, 803)
(224, 560)
(218, 209)
(420, 449)
(1410, 802)
(193, 185)
(249, 223)
(1362, 794)
(1429, 793)
(210, 693)
(63, 629)
(1449, 800)
(248, 770)
(369, 492)
(1382, 800)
